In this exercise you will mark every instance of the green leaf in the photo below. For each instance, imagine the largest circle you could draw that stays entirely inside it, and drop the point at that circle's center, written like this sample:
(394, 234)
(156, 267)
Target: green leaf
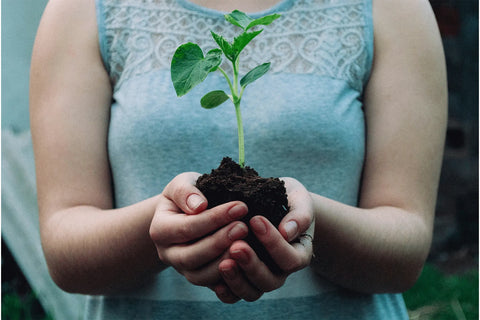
(239, 19)
(226, 47)
(254, 74)
(213, 99)
(189, 66)
(242, 40)
(243, 21)
(264, 21)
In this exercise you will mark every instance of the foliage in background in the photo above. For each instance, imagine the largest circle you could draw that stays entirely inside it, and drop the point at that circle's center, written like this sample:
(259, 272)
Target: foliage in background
(18, 300)
(17, 306)
(437, 296)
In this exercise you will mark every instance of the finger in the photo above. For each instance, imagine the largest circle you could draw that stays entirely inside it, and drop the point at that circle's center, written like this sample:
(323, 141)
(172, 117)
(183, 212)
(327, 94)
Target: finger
(258, 274)
(193, 256)
(171, 227)
(237, 282)
(305, 244)
(208, 275)
(299, 218)
(225, 294)
(288, 257)
(182, 191)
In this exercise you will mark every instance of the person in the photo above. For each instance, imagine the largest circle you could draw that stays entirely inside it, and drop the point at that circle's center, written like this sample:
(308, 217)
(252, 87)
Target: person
(353, 109)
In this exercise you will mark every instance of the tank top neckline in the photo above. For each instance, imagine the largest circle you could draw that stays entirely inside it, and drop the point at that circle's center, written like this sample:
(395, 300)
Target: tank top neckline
(280, 6)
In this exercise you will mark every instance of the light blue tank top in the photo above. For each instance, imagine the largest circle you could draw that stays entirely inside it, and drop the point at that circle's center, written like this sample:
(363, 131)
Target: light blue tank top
(304, 119)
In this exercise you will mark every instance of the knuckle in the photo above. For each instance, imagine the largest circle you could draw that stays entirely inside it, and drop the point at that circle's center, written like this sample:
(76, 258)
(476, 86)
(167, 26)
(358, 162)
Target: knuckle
(185, 232)
(180, 191)
(219, 243)
(218, 217)
(223, 238)
(179, 186)
(183, 262)
(156, 233)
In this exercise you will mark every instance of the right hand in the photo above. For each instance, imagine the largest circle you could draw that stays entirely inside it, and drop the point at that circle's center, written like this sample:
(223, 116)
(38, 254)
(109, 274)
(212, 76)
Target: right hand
(190, 238)
(245, 275)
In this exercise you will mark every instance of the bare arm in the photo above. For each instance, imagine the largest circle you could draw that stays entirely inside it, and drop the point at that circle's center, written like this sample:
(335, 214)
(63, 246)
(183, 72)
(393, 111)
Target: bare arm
(90, 247)
(382, 245)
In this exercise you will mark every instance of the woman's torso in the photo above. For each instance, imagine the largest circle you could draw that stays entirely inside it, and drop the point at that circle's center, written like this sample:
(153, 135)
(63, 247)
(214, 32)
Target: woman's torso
(303, 119)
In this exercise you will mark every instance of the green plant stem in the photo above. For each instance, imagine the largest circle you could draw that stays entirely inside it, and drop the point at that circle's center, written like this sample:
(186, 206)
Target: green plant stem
(236, 102)
(241, 143)
(235, 77)
(227, 78)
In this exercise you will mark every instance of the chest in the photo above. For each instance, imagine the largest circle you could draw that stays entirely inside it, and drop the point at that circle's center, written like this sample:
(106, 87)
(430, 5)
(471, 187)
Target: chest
(230, 5)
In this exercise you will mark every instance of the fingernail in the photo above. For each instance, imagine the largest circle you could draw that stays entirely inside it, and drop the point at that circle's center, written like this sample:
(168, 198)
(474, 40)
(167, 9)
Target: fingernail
(238, 231)
(291, 228)
(194, 201)
(229, 273)
(237, 211)
(258, 225)
(239, 256)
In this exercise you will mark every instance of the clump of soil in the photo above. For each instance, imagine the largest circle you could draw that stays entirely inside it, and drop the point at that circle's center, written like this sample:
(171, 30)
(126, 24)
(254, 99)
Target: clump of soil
(263, 196)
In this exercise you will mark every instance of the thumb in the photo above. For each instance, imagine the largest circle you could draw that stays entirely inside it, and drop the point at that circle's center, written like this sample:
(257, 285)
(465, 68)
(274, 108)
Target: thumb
(182, 191)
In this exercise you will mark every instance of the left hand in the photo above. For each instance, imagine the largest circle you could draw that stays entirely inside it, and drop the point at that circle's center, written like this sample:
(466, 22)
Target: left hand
(245, 275)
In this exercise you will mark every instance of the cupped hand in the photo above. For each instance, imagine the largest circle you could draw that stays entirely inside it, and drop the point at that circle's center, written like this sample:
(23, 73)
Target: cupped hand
(190, 238)
(245, 275)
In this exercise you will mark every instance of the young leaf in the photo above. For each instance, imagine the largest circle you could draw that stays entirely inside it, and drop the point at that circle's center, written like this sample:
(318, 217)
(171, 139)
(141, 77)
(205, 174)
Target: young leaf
(239, 19)
(264, 21)
(254, 74)
(243, 21)
(226, 47)
(242, 40)
(189, 66)
(213, 99)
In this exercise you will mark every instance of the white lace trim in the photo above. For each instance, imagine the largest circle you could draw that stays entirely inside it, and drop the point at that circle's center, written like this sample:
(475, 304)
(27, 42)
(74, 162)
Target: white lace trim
(323, 37)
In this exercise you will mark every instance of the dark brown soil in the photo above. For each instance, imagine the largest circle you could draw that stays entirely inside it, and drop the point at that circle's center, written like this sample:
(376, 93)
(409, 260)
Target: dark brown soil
(263, 196)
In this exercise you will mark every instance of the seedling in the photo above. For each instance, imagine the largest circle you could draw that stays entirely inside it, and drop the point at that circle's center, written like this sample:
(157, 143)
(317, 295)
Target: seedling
(190, 67)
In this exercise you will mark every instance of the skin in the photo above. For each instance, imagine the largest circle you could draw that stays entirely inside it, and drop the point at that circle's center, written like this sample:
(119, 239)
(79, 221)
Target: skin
(379, 246)
(230, 5)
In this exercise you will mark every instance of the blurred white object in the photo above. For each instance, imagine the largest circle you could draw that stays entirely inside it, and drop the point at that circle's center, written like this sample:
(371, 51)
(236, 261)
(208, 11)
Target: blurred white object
(20, 226)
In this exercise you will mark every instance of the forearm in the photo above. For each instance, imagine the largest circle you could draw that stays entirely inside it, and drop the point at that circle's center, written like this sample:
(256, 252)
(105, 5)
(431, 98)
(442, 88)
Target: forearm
(94, 251)
(369, 250)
